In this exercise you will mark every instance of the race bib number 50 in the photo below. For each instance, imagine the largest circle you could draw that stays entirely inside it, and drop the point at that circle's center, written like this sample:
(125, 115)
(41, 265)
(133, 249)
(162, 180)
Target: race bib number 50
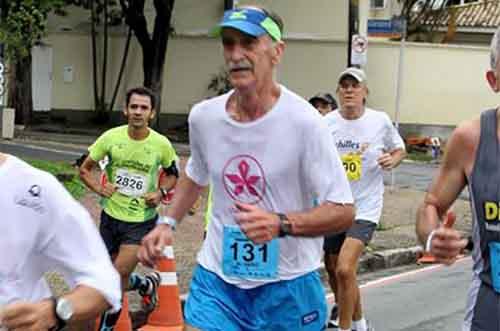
(352, 166)
(244, 259)
(130, 184)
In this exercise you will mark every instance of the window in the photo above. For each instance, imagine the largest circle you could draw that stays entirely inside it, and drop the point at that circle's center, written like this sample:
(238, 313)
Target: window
(377, 4)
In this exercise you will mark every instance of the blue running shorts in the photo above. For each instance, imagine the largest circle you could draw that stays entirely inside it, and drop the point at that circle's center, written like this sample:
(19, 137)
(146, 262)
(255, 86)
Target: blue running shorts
(295, 305)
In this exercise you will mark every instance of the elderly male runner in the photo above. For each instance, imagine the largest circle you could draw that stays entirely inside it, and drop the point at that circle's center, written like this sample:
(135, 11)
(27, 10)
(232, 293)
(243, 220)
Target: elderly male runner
(267, 155)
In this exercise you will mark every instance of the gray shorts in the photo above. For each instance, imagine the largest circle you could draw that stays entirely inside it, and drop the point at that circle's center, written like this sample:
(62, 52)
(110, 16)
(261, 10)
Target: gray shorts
(360, 229)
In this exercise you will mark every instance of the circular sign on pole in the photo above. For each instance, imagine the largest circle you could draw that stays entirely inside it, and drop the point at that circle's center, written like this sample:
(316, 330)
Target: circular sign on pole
(359, 50)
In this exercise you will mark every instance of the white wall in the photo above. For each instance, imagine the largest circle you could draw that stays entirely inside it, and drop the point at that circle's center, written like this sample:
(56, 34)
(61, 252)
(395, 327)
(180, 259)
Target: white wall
(316, 52)
(442, 85)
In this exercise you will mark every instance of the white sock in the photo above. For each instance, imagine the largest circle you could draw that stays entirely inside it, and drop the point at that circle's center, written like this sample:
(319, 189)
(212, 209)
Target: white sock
(359, 325)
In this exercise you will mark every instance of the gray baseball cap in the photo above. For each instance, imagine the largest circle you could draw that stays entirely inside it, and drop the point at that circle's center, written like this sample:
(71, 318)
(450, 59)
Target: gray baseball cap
(356, 73)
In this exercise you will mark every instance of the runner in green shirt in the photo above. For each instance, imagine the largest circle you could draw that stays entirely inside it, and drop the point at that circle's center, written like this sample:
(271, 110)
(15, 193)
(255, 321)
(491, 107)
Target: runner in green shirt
(132, 194)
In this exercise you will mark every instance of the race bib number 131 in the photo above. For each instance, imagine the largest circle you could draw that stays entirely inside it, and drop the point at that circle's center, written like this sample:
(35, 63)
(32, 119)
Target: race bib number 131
(244, 259)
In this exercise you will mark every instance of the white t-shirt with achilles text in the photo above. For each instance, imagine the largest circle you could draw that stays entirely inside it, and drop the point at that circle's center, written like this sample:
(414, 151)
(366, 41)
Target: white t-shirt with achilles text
(360, 143)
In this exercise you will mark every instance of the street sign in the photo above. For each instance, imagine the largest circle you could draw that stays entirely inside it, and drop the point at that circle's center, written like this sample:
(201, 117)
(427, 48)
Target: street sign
(359, 49)
(391, 28)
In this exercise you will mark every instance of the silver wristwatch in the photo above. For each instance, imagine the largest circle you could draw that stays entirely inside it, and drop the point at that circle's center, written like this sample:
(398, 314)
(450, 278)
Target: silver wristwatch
(168, 221)
(63, 312)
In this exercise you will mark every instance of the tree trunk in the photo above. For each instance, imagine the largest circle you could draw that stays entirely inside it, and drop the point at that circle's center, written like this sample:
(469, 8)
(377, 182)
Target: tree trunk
(122, 69)
(20, 90)
(161, 34)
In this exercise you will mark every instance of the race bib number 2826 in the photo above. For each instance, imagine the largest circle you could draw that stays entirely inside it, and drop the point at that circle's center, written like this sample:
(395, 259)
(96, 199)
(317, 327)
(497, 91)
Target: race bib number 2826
(130, 184)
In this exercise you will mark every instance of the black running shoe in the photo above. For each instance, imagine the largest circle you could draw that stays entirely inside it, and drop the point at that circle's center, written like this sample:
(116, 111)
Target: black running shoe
(334, 314)
(150, 300)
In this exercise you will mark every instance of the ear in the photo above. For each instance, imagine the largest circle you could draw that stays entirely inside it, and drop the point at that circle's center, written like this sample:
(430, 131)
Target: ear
(125, 111)
(279, 49)
(492, 79)
(153, 114)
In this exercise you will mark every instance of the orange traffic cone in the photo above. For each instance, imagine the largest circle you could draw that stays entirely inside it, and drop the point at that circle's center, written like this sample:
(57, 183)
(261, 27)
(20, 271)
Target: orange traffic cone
(167, 315)
(124, 322)
(427, 257)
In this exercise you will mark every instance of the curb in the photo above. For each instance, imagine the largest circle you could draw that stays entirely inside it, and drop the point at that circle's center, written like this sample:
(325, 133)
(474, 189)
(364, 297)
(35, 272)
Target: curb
(385, 259)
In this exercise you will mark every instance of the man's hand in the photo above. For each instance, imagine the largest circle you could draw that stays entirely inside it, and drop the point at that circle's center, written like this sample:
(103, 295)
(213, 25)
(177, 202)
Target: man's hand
(447, 244)
(154, 243)
(258, 225)
(28, 316)
(386, 161)
(107, 190)
(152, 199)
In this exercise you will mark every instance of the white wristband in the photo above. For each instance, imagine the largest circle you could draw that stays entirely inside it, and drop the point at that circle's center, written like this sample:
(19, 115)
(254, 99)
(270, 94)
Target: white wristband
(428, 243)
(167, 220)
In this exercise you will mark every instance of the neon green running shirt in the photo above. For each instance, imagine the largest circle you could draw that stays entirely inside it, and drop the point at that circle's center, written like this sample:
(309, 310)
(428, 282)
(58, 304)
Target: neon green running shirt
(134, 168)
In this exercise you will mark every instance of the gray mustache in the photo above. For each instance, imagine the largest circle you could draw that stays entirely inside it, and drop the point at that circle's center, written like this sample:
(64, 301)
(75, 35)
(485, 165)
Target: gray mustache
(239, 65)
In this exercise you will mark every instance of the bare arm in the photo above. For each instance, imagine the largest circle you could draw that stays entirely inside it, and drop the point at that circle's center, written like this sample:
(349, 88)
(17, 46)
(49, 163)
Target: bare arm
(327, 218)
(186, 193)
(392, 159)
(153, 199)
(87, 303)
(451, 179)
(86, 176)
(445, 188)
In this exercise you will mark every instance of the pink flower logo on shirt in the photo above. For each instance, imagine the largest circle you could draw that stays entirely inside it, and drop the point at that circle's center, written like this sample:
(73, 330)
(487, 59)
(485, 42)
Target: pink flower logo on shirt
(244, 179)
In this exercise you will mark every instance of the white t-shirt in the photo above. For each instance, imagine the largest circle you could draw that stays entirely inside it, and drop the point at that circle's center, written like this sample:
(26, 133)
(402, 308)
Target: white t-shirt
(280, 162)
(44, 229)
(360, 143)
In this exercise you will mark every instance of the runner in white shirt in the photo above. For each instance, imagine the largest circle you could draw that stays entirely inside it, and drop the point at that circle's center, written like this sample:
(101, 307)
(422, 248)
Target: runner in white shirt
(44, 229)
(368, 144)
(267, 155)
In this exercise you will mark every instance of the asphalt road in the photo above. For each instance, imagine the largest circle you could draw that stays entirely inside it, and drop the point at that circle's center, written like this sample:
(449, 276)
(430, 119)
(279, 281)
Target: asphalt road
(431, 298)
(415, 176)
(41, 151)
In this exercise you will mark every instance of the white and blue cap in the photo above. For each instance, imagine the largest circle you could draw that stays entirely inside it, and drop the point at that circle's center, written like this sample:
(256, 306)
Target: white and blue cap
(253, 22)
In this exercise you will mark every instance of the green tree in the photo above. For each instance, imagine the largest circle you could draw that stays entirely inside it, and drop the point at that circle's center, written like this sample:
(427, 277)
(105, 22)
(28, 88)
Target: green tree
(22, 27)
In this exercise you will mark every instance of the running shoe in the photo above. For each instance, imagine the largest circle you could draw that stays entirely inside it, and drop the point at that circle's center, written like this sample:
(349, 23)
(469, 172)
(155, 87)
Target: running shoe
(150, 300)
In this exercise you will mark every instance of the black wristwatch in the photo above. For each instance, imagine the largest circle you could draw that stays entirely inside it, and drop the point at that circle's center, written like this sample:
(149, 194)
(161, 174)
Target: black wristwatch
(285, 225)
(164, 192)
